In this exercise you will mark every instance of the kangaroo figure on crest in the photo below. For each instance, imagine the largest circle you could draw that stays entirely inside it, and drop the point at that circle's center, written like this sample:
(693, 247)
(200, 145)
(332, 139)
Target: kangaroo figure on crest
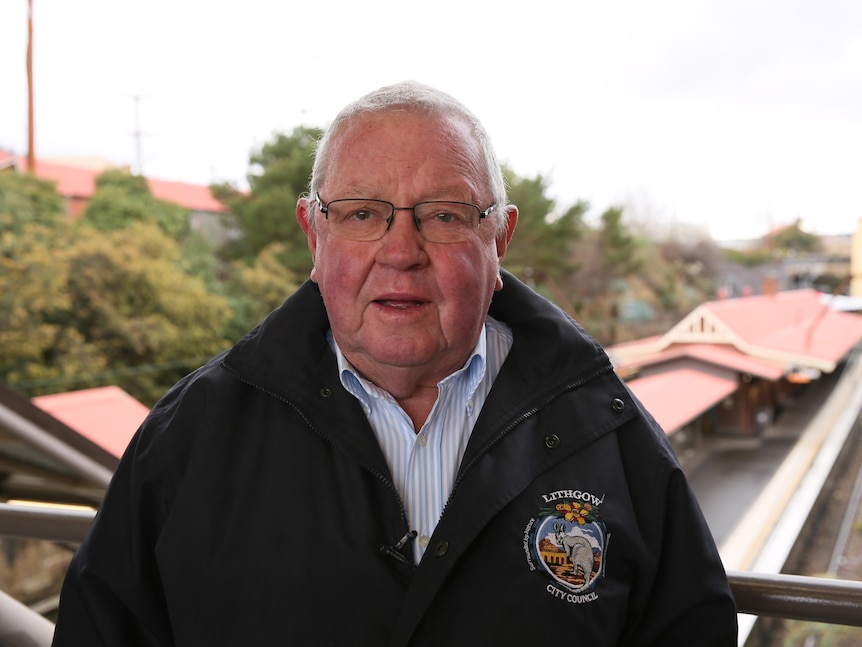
(579, 552)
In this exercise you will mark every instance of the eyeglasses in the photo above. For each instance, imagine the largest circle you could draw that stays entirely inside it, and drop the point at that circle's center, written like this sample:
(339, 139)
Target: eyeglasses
(438, 222)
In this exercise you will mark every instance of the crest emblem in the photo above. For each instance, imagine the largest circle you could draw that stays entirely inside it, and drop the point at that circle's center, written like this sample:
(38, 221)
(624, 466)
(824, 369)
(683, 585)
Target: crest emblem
(567, 541)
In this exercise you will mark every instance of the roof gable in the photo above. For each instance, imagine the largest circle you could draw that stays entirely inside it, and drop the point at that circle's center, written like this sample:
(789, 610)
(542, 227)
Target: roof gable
(701, 326)
(791, 329)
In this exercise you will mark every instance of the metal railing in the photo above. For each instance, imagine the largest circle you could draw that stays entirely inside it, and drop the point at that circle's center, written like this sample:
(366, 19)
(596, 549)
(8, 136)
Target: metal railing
(48, 523)
(795, 597)
(798, 597)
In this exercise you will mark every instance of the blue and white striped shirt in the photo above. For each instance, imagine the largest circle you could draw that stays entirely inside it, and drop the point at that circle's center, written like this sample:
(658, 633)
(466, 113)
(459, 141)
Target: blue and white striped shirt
(424, 464)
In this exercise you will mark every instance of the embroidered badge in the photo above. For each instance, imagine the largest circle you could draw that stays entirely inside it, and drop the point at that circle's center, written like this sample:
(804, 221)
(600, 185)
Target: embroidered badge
(568, 540)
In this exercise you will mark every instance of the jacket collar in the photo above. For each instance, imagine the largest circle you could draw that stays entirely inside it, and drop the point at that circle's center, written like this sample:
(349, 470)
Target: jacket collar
(290, 346)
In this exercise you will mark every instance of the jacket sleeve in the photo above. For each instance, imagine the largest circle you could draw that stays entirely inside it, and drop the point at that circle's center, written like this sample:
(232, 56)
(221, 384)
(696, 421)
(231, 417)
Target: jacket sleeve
(687, 600)
(112, 593)
(690, 602)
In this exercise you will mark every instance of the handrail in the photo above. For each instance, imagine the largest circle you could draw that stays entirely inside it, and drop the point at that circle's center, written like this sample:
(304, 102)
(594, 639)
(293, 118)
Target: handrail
(798, 597)
(48, 523)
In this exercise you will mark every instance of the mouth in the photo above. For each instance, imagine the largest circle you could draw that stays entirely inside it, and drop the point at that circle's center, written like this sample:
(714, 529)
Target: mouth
(400, 304)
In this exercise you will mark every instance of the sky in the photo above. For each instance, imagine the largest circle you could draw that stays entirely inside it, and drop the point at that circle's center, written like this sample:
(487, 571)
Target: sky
(731, 116)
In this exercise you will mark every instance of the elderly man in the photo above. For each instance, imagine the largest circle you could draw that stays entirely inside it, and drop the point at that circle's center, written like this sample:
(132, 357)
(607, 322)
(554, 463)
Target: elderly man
(415, 449)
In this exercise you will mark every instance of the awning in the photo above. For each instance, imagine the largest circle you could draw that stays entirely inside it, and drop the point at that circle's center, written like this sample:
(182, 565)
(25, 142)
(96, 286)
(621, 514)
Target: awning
(678, 396)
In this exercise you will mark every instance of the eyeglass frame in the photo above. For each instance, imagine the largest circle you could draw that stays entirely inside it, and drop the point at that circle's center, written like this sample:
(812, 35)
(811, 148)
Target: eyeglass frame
(483, 213)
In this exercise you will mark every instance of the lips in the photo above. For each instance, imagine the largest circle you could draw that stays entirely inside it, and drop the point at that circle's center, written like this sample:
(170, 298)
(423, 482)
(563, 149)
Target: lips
(400, 303)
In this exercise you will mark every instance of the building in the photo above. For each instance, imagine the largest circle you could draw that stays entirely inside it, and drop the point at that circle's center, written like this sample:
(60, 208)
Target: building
(75, 179)
(733, 365)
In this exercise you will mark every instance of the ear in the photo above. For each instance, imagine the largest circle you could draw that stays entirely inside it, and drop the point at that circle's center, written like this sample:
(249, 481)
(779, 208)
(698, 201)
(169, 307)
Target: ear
(505, 238)
(304, 216)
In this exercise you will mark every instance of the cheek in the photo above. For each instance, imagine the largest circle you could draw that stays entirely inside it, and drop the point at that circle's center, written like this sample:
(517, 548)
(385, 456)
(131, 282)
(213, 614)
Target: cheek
(338, 273)
(471, 282)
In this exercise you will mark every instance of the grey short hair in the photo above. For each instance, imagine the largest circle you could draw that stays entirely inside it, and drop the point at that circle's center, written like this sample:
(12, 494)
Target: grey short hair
(417, 98)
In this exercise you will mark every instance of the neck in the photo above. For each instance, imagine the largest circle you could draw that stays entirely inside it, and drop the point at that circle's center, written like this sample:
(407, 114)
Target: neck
(413, 394)
(419, 406)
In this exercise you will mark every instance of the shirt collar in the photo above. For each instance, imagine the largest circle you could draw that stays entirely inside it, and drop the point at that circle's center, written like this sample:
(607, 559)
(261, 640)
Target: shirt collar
(366, 392)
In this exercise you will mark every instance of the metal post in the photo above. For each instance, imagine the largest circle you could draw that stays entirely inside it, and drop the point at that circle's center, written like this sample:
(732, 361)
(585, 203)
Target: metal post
(21, 626)
(54, 447)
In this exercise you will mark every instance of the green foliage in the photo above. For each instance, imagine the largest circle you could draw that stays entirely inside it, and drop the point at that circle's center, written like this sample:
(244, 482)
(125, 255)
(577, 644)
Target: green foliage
(793, 239)
(541, 250)
(257, 289)
(611, 259)
(748, 258)
(618, 247)
(25, 199)
(74, 306)
(122, 199)
(267, 214)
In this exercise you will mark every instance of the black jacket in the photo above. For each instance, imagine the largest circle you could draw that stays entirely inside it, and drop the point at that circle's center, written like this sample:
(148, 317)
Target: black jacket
(254, 507)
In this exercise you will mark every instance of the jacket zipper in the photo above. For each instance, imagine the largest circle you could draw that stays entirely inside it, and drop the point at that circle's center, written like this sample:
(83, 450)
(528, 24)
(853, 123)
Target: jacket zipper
(392, 551)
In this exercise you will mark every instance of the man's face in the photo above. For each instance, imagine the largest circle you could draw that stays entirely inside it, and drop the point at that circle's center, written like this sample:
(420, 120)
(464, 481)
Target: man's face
(402, 303)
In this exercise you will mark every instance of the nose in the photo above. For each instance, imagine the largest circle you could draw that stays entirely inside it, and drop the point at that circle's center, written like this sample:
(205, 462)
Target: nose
(402, 245)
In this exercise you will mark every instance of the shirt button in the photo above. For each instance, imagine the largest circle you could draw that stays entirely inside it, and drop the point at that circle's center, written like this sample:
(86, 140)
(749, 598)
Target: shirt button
(618, 405)
(423, 541)
(421, 440)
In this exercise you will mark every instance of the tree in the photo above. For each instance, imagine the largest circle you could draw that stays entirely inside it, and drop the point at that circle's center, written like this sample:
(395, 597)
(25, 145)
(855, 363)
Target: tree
(280, 172)
(78, 310)
(255, 289)
(541, 250)
(122, 199)
(611, 256)
(26, 199)
(793, 240)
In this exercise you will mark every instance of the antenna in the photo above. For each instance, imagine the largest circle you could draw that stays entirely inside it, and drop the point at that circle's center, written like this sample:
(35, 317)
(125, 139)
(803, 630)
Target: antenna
(137, 134)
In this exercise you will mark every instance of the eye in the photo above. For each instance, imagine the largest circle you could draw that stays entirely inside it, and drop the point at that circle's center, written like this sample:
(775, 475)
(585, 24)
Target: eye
(360, 216)
(357, 212)
(447, 214)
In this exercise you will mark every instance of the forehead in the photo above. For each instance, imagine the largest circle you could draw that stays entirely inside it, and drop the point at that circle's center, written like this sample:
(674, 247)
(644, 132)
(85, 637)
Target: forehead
(379, 149)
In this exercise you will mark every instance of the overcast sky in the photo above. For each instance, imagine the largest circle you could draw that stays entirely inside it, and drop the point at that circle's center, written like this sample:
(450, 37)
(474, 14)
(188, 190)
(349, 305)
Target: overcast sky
(739, 115)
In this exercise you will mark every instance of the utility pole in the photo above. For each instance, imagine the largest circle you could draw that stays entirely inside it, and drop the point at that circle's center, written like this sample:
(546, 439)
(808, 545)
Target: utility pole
(31, 138)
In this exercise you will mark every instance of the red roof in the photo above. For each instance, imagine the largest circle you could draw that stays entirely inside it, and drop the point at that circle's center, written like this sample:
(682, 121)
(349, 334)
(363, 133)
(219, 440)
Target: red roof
(72, 181)
(192, 196)
(79, 181)
(795, 321)
(107, 416)
(677, 397)
(788, 329)
(716, 355)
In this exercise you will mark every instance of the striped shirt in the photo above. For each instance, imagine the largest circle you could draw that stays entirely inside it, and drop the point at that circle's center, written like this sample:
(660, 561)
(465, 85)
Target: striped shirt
(424, 464)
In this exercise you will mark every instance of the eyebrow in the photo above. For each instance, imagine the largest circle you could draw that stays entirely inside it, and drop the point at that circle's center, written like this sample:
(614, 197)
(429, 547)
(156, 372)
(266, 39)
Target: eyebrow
(357, 191)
